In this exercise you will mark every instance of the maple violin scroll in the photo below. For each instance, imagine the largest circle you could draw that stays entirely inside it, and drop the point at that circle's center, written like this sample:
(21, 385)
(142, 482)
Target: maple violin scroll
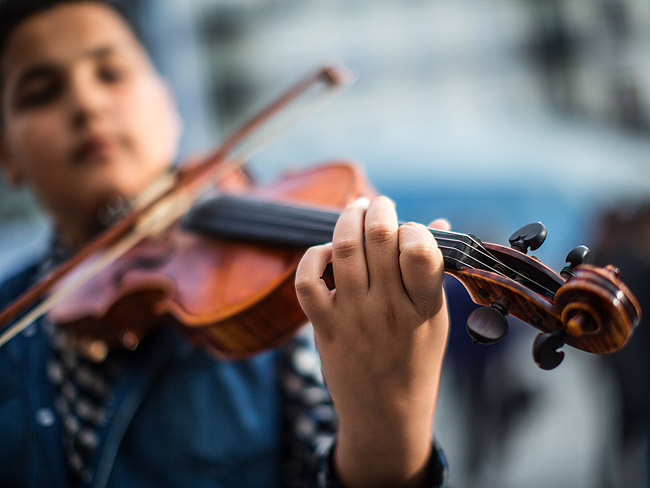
(586, 307)
(597, 309)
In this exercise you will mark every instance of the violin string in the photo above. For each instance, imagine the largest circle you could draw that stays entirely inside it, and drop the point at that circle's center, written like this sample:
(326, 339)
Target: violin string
(300, 218)
(280, 211)
(327, 226)
(481, 250)
(330, 217)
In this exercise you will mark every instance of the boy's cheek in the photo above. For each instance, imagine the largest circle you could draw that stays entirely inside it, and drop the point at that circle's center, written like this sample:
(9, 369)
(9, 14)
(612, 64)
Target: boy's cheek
(41, 149)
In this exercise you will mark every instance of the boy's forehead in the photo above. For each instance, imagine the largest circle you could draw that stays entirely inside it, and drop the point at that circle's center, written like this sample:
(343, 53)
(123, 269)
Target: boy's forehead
(64, 34)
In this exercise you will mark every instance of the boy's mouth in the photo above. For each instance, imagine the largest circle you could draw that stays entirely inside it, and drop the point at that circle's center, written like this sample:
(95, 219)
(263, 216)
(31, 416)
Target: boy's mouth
(94, 148)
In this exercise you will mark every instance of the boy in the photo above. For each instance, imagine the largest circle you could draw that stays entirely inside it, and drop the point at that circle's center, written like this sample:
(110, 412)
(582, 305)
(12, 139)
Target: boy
(85, 117)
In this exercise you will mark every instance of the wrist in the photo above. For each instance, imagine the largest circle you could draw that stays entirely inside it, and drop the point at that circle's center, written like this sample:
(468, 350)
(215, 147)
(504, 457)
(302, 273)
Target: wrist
(383, 457)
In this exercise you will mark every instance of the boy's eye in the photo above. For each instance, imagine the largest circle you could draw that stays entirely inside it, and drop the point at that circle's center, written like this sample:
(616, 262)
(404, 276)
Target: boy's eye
(38, 94)
(110, 74)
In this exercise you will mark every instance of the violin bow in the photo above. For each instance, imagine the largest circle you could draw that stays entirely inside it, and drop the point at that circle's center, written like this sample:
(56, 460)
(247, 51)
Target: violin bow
(169, 198)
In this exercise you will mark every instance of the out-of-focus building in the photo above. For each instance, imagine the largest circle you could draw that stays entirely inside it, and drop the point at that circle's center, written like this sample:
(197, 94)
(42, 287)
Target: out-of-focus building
(491, 113)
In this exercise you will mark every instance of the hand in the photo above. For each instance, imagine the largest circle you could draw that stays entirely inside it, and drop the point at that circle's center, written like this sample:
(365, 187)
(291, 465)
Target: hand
(381, 335)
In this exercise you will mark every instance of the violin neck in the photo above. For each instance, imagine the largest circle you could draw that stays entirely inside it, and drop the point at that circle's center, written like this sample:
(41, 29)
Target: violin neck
(257, 220)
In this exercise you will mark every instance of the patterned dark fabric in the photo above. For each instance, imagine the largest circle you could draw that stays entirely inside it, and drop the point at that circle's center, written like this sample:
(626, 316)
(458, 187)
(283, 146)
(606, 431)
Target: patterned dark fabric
(308, 415)
(83, 390)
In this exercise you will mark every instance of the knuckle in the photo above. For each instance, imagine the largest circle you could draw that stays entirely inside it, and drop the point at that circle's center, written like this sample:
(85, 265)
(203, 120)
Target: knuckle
(379, 233)
(421, 252)
(345, 248)
(305, 287)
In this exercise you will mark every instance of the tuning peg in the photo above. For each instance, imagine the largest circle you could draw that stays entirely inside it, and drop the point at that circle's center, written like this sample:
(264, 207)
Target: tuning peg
(487, 325)
(545, 349)
(578, 255)
(530, 236)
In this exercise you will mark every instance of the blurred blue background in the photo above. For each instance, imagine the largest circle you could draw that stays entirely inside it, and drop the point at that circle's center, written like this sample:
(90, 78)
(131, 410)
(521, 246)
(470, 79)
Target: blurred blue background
(492, 114)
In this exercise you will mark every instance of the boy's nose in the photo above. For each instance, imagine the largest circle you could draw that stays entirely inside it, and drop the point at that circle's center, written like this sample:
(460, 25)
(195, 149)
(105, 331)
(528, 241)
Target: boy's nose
(87, 101)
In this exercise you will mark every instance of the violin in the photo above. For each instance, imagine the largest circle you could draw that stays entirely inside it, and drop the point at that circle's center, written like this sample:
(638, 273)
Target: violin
(222, 270)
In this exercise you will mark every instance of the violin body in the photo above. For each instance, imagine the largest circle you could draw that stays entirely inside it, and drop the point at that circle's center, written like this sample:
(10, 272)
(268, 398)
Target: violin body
(233, 297)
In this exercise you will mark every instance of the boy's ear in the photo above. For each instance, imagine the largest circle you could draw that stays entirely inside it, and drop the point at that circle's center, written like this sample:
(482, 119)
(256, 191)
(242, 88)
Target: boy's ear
(9, 165)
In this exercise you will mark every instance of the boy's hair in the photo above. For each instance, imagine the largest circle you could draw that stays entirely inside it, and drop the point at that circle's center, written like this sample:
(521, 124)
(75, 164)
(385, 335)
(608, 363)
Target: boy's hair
(15, 12)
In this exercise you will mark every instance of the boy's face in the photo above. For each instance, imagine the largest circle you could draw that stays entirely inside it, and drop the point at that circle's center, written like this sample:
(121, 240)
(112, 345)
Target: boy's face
(85, 114)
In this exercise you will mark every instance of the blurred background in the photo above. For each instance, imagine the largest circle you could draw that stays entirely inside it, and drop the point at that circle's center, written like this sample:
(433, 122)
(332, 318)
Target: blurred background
(491, 113)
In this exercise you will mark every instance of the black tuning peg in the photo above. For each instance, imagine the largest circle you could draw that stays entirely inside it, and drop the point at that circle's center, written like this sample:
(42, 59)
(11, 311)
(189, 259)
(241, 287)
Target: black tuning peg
(579, 255)
(545, 349)
(488, 324)
(530, 236)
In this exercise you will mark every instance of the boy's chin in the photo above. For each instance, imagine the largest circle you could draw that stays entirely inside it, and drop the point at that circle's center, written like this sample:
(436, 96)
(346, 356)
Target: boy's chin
(123, 180)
